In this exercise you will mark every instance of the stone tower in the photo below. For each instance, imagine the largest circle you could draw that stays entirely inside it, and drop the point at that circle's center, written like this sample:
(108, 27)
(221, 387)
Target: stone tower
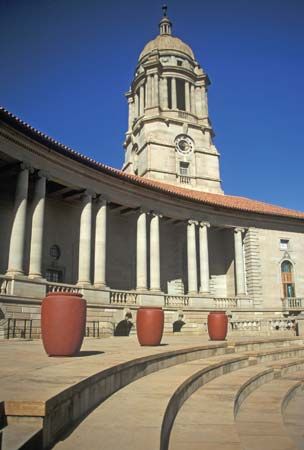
(169, 135)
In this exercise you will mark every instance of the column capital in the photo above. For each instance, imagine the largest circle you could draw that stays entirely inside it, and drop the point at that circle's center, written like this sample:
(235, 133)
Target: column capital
(239, 230)
(101, 200)
(43, 174)
(192, 222)
(142, 210)
(26, 166)
(156, 214)
(87, 194)
(204, 224)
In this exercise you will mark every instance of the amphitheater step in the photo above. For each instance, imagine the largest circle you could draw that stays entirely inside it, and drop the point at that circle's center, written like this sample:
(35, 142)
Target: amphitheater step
(259, 420)
(294, 418)
(22, 434)
(132, 418)
(207, 418)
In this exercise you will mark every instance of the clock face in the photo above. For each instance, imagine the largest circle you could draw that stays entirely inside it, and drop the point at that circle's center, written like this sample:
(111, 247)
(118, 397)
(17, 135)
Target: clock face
(184, 144)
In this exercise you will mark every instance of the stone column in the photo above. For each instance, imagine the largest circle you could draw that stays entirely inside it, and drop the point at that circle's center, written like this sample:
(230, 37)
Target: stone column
(156, 90)
(191, 255)
(100, 244)
(239, 261)
(136, 105)
(204, 257)
(204, 101)
(141, 253)
(35, 270)
(152, 91)
(141, 100)
(16, 248)
(187, 96)
(193, 102)
(173, 94)
(149, 91)
(164, 96)
(84, 263)
(154, 254)
(199, 103)
(131, 112)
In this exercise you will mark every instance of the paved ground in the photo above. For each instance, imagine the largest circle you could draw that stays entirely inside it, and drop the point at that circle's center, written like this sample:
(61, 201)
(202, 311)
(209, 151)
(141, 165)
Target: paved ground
(28, 374)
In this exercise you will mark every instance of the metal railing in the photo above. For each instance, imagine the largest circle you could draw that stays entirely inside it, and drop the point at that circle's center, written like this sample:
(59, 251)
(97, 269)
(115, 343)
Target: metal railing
(123, 297)
(21, 328)
(92, 328)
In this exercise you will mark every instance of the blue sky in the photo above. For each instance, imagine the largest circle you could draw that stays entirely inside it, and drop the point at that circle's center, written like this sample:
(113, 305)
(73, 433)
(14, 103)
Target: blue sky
(65, 66)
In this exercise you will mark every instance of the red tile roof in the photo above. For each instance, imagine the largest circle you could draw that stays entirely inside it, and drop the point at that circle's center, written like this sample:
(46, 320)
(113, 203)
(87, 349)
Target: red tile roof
(205, 198)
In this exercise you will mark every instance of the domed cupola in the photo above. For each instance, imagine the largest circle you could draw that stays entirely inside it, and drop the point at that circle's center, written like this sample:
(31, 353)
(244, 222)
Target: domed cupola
(169, 136)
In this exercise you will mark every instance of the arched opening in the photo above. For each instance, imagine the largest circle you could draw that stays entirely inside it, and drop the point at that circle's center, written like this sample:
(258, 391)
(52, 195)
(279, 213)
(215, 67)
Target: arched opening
(287, 279)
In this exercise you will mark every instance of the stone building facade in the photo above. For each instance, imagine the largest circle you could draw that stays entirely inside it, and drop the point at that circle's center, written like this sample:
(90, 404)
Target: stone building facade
(158, 232)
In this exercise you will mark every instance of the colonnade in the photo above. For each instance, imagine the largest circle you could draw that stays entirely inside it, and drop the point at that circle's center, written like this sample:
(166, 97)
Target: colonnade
(154, 92)
(16, 249)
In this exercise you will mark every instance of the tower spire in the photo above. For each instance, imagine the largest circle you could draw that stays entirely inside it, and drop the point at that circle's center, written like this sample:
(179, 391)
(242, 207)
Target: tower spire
(165, 25)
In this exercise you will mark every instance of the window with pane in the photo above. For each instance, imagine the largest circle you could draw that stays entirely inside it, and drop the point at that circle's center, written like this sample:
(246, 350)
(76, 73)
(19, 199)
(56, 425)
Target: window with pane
(184, 168)
(288, 279)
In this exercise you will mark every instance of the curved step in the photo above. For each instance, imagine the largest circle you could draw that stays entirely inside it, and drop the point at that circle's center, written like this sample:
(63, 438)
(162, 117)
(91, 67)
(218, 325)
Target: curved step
(259, 420)
(131, 419)
(207, 419)
(293, 418)
(75, 401)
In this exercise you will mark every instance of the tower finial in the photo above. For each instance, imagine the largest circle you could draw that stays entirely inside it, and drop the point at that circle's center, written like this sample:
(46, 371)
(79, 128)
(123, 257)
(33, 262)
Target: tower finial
(165, 26)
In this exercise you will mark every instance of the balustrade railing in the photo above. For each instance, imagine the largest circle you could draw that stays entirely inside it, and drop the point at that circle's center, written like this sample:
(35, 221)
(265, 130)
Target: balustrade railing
(293, 303)
(4, 284)
(245, 325)
(176, 300)
(184, 179)
(267, 326)
(123, 297)
(225, 302)
(62, 287)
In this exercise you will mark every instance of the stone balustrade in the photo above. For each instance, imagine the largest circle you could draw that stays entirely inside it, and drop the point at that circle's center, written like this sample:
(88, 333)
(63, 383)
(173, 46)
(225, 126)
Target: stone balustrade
(293, 303)
(4, 280)
(269, 326)
(62, 287)
(176, 300)
(123, 297)
(184, 179)
(225, 302)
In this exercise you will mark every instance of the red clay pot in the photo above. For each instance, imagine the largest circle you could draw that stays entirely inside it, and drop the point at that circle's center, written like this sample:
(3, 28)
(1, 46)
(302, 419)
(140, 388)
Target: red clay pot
(63, 320)
(149, 325)
(217, 325)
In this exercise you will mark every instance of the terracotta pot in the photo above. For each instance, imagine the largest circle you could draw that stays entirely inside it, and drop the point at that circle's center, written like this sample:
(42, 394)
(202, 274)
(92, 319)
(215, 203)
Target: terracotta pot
(217, 325)
(63, 320)
(149, 325)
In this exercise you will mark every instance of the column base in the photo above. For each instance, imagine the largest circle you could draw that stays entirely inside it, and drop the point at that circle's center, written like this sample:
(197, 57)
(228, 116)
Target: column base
(15, 273)
(101, 286)
(204, 293)
(36, 276)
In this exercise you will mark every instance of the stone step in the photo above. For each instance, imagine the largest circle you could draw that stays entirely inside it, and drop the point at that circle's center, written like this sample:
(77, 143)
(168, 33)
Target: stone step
(293, 418)
(259, 420)
(23, 434)
(69, 405)
(132, 418)
(207, 418)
